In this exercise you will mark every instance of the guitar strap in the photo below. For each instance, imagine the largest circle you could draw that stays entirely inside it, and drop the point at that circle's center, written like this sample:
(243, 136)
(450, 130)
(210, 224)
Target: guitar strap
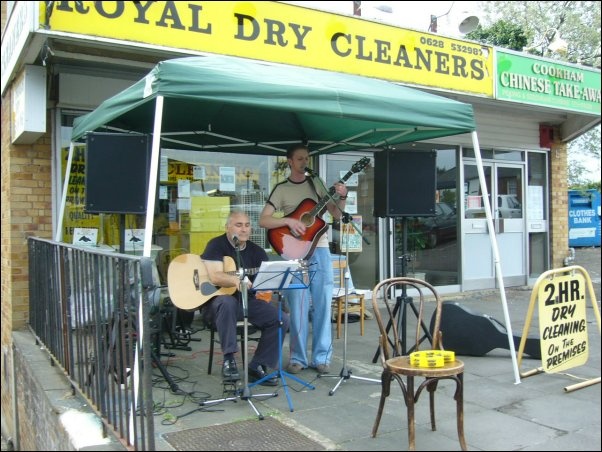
(313, 187)
(318, 197)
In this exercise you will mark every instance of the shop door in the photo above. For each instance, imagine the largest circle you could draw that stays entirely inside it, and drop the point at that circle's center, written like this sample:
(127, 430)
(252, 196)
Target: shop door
(505, 187)
(360, 240)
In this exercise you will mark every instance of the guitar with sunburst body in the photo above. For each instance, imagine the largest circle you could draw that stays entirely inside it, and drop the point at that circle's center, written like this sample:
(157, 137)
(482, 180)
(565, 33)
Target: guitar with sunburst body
(301, 246)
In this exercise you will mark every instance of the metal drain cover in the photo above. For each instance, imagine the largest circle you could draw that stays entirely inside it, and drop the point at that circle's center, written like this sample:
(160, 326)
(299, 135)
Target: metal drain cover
(268, 434)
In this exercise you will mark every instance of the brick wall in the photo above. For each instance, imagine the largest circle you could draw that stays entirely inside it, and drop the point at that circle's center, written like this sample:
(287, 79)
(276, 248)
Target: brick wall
(45, 395)
(39, 426)
(559, 210)
(26, 211)
(26, 190)
(8, 428)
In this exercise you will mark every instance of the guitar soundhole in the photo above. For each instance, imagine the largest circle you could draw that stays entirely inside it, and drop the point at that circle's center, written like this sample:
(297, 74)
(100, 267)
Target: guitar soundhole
(195, 279)
(307, 219)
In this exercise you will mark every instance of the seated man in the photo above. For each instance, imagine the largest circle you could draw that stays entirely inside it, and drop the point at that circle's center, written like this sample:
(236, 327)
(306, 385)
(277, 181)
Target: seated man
(225, 310)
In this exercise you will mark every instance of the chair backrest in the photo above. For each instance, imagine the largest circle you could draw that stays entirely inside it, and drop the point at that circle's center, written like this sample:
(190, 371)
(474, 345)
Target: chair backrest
(389, 292)
(339, 267)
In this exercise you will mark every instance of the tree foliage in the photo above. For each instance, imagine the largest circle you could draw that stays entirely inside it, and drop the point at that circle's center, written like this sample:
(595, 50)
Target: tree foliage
(532, 26)
(501, 34)
(577, 23)
(583, 158)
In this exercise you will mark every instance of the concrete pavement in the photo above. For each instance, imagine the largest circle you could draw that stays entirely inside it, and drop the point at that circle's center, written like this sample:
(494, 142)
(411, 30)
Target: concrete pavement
(500, 413)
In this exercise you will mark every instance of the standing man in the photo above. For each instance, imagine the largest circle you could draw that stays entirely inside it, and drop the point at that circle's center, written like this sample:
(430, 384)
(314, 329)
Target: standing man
(283, 201)
(225, 310)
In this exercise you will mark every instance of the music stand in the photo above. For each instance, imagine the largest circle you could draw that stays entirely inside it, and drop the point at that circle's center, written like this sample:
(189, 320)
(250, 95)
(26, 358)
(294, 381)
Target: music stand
(278, 276)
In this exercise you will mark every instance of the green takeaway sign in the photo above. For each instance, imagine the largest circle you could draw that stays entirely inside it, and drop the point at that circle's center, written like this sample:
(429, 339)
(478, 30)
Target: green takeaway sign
(542, 82)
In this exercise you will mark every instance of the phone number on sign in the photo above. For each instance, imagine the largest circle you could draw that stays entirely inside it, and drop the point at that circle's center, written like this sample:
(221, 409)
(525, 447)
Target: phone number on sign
(461, 48)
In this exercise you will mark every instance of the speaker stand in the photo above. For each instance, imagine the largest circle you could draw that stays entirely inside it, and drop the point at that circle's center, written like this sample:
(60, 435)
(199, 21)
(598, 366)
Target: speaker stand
(122, 233)
(403, 302)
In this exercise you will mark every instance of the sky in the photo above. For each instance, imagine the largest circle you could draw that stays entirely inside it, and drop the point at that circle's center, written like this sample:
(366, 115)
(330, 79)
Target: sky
(415, 15)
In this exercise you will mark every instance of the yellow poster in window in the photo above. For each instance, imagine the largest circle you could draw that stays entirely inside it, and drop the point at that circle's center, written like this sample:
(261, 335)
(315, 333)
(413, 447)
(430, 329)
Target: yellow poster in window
(75, 215)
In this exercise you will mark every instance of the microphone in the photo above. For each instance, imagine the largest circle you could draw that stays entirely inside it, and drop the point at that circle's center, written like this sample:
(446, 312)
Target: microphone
(309, 172)
(236, 241)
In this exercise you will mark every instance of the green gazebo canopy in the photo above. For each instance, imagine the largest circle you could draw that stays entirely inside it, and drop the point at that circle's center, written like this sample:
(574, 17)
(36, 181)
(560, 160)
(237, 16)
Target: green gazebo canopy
(230, 104)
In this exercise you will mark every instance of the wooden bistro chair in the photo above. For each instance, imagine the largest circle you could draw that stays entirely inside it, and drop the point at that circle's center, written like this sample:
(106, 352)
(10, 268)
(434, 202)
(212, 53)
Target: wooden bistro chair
(397, 367)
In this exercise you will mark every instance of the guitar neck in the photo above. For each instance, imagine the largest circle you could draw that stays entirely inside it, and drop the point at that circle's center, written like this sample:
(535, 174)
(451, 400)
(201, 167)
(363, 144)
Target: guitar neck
(248, 271)
(331, 191)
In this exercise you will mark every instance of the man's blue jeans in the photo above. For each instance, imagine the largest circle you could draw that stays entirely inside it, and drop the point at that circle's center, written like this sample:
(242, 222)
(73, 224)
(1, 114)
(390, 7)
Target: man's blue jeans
(300, 303)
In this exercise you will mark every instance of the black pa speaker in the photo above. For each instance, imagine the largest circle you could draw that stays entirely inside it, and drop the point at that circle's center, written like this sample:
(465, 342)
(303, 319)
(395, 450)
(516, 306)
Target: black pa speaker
(117, 173)
(405, 183)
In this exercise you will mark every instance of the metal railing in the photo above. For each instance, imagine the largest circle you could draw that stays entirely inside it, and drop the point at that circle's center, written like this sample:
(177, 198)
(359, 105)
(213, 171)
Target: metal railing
(90, 309)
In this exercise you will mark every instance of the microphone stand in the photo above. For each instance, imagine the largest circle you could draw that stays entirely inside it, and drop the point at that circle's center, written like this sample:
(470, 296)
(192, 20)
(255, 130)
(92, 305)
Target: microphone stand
(245, 393)
(345, 373)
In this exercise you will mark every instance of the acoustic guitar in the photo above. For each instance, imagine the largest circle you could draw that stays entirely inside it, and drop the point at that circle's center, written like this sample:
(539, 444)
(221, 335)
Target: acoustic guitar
(188, 281)
(470, 333)
(293, 246)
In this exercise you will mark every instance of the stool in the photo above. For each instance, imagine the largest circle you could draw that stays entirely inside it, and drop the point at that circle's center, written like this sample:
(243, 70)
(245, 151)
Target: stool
(355, 304)
(355, 300)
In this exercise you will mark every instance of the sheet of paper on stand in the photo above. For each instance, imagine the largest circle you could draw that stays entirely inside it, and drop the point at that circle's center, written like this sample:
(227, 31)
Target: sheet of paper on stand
(276, 275)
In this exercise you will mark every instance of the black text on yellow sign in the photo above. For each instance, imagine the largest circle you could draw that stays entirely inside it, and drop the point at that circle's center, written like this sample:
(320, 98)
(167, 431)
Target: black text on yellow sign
(275, 31)
(562, 323)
